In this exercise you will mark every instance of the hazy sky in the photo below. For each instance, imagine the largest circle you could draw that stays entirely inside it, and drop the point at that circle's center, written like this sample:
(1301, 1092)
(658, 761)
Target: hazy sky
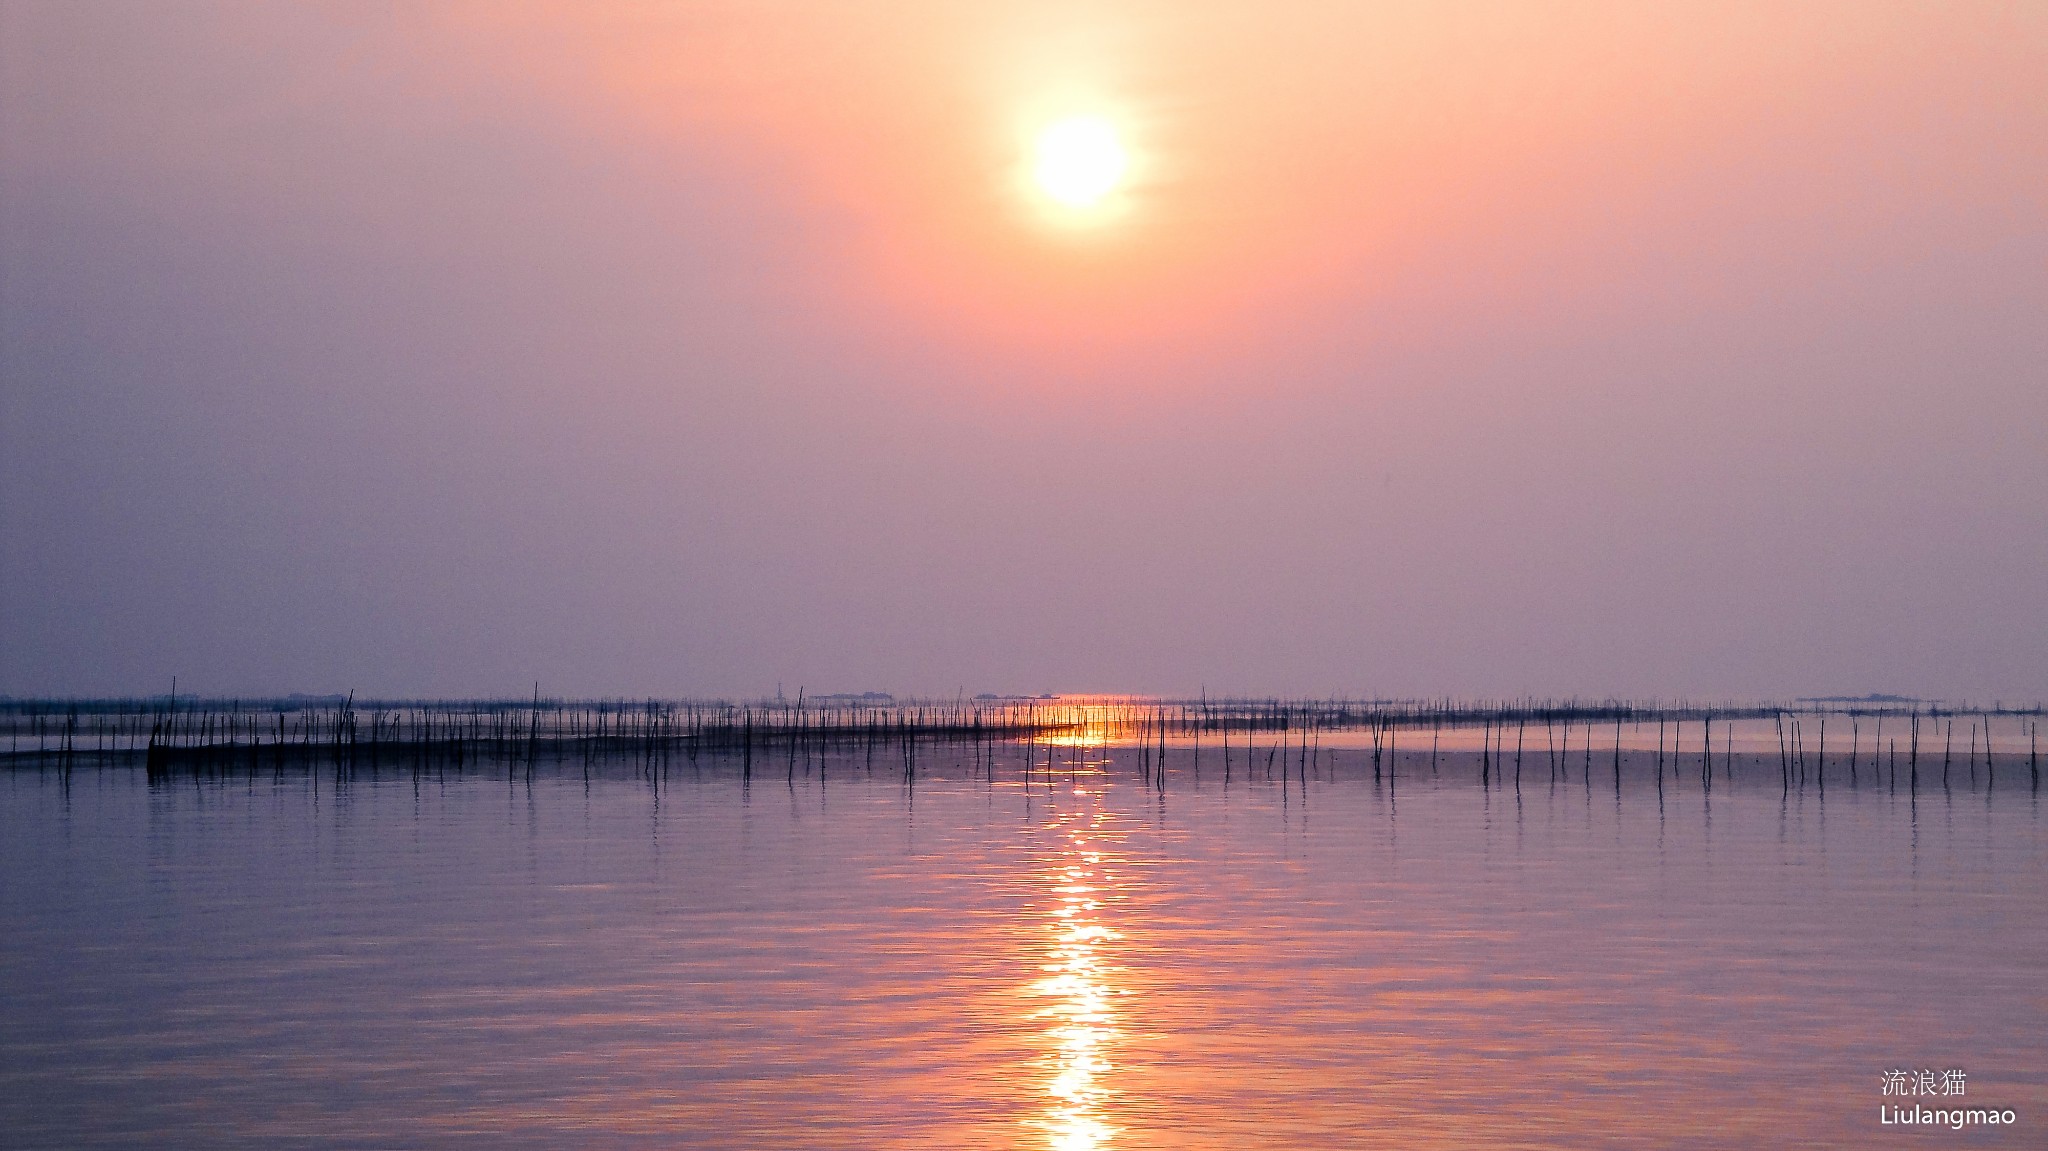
(688, 348)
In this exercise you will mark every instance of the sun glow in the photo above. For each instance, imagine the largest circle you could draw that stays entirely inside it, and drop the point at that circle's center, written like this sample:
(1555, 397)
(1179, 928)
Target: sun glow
(1079, 161)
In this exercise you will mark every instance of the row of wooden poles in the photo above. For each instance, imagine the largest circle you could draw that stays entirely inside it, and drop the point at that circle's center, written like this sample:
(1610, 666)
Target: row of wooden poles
(173, 734)
(1800, 757)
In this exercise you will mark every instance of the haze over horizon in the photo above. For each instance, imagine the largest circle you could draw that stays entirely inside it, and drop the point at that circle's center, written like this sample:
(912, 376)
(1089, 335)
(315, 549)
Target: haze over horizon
(1601, 349)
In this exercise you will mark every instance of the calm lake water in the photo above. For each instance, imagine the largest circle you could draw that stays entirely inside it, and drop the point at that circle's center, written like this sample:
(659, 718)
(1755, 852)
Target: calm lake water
(827, 956)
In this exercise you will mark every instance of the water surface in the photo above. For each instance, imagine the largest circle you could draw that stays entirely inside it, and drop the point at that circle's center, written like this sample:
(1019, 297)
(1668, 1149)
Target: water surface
(826, 954)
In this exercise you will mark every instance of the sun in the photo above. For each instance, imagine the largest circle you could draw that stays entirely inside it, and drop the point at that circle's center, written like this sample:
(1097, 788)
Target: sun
(1079, 161)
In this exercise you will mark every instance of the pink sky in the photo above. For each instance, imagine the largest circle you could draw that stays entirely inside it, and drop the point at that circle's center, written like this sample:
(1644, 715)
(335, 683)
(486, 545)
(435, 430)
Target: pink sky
(689, 348)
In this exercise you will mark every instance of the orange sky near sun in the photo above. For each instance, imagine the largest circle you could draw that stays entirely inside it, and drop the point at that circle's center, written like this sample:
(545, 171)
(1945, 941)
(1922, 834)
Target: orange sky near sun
(1284, 160)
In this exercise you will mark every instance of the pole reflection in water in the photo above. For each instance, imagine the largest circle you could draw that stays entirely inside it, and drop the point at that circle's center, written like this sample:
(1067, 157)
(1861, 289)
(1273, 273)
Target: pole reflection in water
(1077, 988)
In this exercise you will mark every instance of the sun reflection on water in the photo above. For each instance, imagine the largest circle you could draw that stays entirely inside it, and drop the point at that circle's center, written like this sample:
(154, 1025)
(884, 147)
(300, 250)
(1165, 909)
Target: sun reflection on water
(1079, 1012)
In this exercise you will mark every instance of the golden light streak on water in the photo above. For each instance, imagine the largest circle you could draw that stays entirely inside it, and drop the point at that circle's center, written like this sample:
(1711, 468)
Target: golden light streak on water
(1079, 992)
